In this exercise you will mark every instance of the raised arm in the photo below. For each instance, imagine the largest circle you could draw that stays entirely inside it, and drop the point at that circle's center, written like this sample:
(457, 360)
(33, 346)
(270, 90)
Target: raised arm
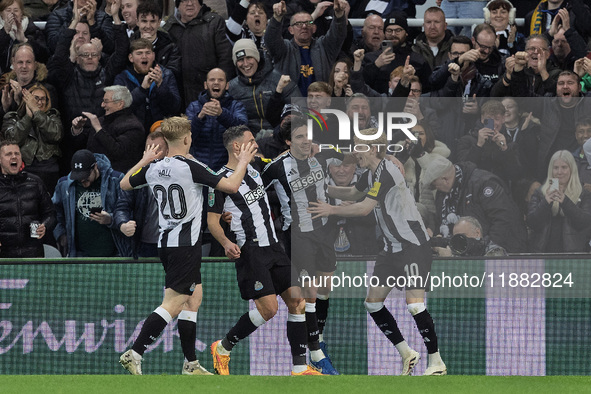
(231, 184)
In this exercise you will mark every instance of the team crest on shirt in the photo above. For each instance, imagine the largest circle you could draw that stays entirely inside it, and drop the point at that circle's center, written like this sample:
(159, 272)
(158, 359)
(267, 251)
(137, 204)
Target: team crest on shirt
(258, 286)
(192, 288)
(488, 191)
(211, 197)
(253, 173)
(313, 162)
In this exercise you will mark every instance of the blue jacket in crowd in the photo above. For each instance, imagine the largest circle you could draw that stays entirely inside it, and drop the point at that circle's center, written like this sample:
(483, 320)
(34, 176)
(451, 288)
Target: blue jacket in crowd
(64, 199)
(207, 145)
(154, 103)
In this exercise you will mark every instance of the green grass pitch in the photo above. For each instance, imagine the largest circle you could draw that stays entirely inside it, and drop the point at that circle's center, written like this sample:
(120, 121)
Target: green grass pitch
(89, 384)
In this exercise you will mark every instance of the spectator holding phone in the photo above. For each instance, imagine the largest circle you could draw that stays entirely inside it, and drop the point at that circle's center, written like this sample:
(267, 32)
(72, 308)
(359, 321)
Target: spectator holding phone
(559, 212)
(378, 65)
(488, 145)
(85, 201)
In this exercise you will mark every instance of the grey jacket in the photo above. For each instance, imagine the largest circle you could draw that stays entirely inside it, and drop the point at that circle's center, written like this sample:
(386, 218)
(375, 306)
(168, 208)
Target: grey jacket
(324, 50)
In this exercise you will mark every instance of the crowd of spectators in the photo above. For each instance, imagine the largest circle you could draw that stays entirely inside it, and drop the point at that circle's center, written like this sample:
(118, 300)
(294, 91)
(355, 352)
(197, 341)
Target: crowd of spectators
(502, 116)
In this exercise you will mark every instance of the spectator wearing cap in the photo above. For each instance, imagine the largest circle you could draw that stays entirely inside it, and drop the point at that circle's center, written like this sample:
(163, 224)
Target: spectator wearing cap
(304, 58)
(435, 42)
(377, 66)
(85, 201)
(258, 85)
(210, 116)
(200, 35)
(464, 190)
(119, 134)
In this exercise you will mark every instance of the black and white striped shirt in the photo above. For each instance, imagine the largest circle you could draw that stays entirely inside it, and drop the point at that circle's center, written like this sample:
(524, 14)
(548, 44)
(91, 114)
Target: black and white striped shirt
(396, 212)
(251, 215)
(297, 183)
(177, 183)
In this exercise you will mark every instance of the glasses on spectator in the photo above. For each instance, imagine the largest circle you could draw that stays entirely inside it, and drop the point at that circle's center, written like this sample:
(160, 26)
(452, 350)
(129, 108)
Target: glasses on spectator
(416, 91)
(535, 49)
(40, 99)
(109, 101)
(484, 47)
(87, 55)
(299, 25)
(189, 1)
(394, 31)
(457, 54)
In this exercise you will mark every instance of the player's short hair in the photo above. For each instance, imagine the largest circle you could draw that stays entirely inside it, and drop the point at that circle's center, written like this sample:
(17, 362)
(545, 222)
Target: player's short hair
(149, 7)
(320, 87)
(381, 141)
(140, 43)
(493, 107)
(291, 124)
(175, 128)
(232, 134)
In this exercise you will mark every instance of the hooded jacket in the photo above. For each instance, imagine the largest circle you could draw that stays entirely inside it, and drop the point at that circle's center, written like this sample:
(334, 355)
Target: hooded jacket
(422, 47)
(64, 199)
(256, 92)
(38, 137)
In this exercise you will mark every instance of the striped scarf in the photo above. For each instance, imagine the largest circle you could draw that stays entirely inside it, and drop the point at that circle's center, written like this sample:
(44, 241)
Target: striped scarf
(536, 19)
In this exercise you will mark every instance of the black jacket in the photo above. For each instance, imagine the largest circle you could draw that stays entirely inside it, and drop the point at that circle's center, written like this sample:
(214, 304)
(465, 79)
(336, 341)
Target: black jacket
(121, 139)
(59, 20)
(504, 164)
(203, 45)
(378, 78)
(485, 196)
(23, 198)
(575, 226)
